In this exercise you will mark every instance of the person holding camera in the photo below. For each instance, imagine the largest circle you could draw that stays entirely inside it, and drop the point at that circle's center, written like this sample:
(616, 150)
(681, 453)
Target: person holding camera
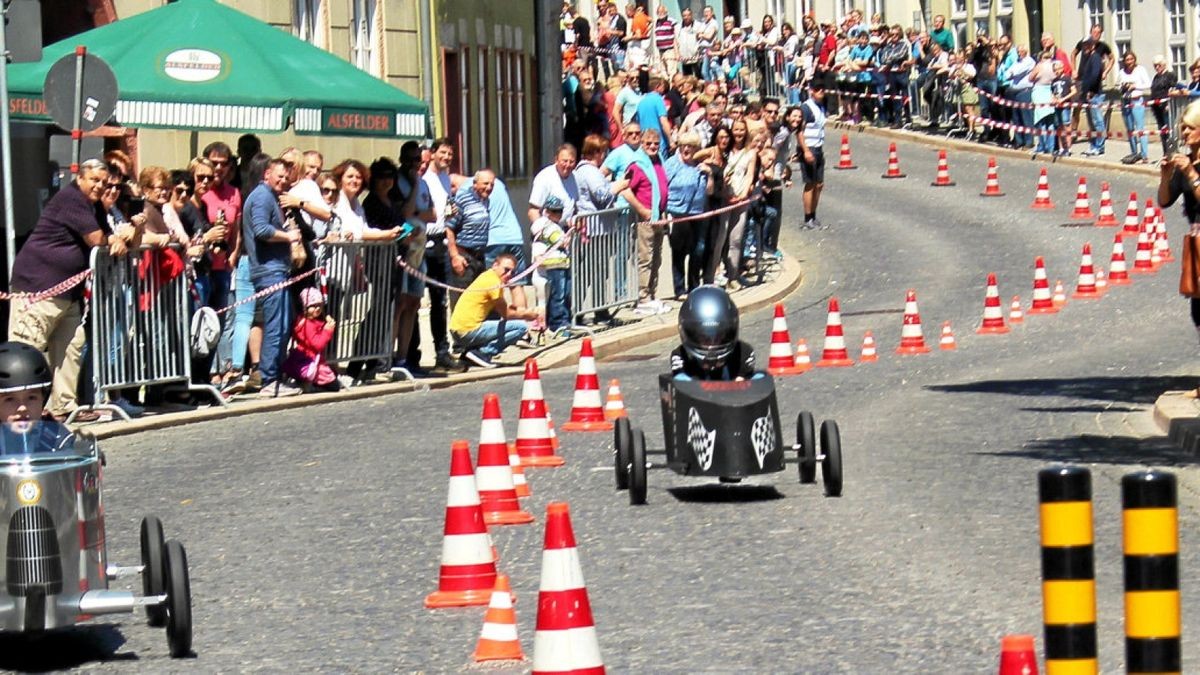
(1134, 82)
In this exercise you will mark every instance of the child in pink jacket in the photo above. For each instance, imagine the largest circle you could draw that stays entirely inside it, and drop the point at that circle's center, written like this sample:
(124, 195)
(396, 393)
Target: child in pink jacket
(306, 363)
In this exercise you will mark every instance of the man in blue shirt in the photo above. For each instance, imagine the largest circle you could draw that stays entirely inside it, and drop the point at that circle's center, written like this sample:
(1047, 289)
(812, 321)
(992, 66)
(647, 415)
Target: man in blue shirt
(652, 112)
(507, 236)
(467, 228)
(688, 188)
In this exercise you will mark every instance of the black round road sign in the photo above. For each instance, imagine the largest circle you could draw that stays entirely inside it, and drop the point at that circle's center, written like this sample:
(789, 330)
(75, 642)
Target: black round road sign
(99, 94)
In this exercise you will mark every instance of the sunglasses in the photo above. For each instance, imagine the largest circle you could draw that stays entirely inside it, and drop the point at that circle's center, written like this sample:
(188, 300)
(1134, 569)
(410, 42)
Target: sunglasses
(507, 270)
(181, 191)
(219, 162)
(112, 186)
(328, 190)
(204, 178)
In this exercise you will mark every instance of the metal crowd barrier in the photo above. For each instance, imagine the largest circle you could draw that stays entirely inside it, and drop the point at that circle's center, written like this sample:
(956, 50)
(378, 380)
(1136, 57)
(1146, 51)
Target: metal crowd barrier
(603, 261)
(140, 323)
(359, 280)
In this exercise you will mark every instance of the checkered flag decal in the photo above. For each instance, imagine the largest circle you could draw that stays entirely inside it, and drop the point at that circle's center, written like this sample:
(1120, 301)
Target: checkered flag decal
(762, 436)
(701, 439)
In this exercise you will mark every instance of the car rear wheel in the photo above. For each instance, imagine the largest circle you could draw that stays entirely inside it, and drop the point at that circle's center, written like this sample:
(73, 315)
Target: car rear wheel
(153, 570)
(179, 601)
(622, 439)
(806, 438)
(831, 465)
(637, 468)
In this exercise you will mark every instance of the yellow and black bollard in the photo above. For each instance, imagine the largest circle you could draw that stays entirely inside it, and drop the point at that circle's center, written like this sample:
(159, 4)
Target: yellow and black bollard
(1068, 570)
(1151, 546)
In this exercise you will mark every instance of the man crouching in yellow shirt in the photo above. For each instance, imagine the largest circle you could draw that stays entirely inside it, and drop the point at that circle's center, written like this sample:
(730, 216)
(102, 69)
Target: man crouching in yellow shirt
(480, 338)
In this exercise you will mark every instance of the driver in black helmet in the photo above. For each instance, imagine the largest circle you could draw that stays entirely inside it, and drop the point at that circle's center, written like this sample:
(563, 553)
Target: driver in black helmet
(708, 331)
(25, 379)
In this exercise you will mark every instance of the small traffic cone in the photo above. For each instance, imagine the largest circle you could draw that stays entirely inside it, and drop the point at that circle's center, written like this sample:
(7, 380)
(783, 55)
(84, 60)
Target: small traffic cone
(493, 471)
(1118, 274)
(893, 165)
(844, 161)
(1060, 294)
(534, 444)
(1042, 302)
(1086, 286)
(1130, 228)
(868, 349)
(947, 342)
(1148, 216)
(1101, 281)
(1041, 199)
(993, 314)
(781, 361)
(587, 414)
(1015, 315)
(498, 640)
(1107, 217)
(912, 339)
(1167, 256)
(553, 435)
(565, 641)
(1016, 655)
(803, 360)
(614, 405)
(943, 171)
(518, 471)
(468, 572)
(1083, 206)
(992, 187)
(1142, 263)
(834, 354)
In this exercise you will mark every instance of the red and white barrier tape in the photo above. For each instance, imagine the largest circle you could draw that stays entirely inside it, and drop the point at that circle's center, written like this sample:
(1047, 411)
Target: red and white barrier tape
(57, 289)
(273, 288)
(885, 97)
(1042, 131)
(1008, 102)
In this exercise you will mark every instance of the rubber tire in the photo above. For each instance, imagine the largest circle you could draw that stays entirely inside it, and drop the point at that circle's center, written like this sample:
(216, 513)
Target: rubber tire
(622, 439)
(637, 468)
(153, 568)
(806, 438)
(831, 466)
(179, 601)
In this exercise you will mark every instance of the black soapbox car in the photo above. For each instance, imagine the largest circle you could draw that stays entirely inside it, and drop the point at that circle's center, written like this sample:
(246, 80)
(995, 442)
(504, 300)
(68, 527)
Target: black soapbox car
(725, 429)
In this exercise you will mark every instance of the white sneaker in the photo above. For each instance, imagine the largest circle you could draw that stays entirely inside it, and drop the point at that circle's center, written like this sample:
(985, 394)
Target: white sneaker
(663, 307)
(646, 308)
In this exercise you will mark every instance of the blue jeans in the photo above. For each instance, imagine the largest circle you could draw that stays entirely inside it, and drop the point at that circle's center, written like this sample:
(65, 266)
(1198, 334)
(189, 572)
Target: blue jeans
(491, 338)
(1024, 117)
(1134, 115)
(558, 298)
(235, 334)
(277, 325)
(1096, 119)
(898, 87)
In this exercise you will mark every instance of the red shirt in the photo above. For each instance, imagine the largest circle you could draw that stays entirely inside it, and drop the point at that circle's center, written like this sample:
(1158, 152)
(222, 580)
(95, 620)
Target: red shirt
(227, 198)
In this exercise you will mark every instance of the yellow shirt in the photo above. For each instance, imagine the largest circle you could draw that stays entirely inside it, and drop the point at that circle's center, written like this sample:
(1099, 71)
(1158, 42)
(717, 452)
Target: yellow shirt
(474, 306)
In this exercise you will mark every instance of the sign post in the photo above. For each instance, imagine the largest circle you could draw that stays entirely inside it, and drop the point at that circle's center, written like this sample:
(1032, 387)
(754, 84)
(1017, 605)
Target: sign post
(10, 227)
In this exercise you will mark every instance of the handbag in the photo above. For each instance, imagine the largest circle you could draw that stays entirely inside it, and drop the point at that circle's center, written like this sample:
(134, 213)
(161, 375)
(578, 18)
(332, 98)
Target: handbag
(299, 253)
(1189, 268)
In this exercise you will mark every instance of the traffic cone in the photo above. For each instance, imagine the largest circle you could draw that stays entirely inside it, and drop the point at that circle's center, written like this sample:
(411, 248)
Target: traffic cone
(1016, 655)
(1118, 274)
(553, 435)
(534, 444)
(1060, 295)
(844, 161)
(1041, 199)
(993, 315)
(781, 361)
(1142, 263)
(493, 472)
(803, 360)
(893, 165)
(943, 171)
(518, 471)
(614, 405)
(868, 349)
(992, 187)
(587, 414)
(912, 339)
(834, 354)
(1083, 206)
(1167, 256)
(1107, 217)
(947, 342)
(1148, 215)
(468, 572)
(1130, 228)
(565, 641)
(1042, 302)
(1086, 286)
(1101, 281)
(1015, 315)
(498, 640)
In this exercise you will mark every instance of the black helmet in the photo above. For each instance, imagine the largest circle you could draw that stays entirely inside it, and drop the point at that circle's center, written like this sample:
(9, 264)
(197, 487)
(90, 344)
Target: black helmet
(23, 367)
(708, 325)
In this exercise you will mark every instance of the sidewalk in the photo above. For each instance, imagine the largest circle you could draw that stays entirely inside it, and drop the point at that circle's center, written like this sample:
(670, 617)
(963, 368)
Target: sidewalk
(1179, 417)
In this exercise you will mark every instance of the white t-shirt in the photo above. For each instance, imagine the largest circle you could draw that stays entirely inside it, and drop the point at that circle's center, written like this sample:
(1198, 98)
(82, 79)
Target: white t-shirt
(306, 189)
(353, 218)
(438, 185)
(547, 182)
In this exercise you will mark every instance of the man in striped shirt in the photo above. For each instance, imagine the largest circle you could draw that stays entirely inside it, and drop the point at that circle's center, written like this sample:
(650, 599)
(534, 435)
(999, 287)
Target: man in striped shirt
(665, 32)
(467, 228)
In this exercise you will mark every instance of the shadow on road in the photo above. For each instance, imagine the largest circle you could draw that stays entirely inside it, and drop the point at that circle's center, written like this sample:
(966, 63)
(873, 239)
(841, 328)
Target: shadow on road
(1144, 389)
(1103, 450)
(1095, 408)
(717, 493)
(62, 649)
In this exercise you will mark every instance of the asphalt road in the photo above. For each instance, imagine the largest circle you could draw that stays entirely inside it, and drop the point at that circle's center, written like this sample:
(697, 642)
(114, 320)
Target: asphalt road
(314, 535)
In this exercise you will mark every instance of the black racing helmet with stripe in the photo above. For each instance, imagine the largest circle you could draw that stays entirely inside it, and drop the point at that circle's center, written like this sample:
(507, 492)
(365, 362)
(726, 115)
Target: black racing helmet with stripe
(708, 326)
(23, 367)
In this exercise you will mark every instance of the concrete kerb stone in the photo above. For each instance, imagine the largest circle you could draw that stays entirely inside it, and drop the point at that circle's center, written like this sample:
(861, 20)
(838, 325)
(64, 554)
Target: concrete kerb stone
(1179, 417)
(606, 344)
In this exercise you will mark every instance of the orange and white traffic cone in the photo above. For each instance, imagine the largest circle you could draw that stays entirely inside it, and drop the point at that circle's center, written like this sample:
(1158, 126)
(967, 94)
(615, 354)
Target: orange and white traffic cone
(1041, 198)
(565, 641)
(947, 342)
(1142, 263)
(518, 472)
(1086, 286)
(942, 179)
(912, 338)
(468, 571)
(1015, 315)
(498, 640)
(587, 413)
(869, 352)
(803, 360)
(993, 314)
(1132, 222)
(991, 188)
(1083, 206)
(1148, 215)
(614, 405)
(834, 354)
(1060, 294)
(1101, 281)
(1042, 302)
(534, 444)
(1016, 655)
(493, 472)
(1107, 217)
(1118, 274)
(1167, 256)
(845, 163)
(781, 361)
(550, 425)
(893, 165)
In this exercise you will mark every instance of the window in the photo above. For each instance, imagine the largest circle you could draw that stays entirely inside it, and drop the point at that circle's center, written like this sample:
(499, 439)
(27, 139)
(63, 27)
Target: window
(982, 25)
(304, 19)
(365, 38)
(1175, 14)
(958, 7)
(871, 8)
(960, 32)
(845, 6)
(1122, 17)
(1095, 15)
(1179, 62)
(1004, 25)
(518, 97)
(504, 130)
(464, 109)
(1121, 46)
(1004, 7)
(983, 6)
(485, 96)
